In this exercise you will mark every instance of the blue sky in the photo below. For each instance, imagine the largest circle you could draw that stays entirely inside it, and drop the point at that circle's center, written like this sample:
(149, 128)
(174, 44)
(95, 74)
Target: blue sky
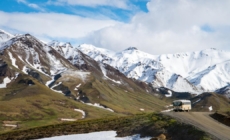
(100, 10)
(154, 26)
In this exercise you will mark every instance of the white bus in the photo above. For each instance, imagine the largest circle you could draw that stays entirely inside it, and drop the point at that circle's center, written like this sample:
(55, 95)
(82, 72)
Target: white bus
(182, 105)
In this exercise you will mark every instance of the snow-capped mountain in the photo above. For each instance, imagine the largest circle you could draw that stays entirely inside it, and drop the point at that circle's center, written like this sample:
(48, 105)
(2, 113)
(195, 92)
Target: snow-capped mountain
(194, 72)
(32, 68)
(141, 66)
(206, 70)
(25, 51)
(84, 62)
(69, 52)
(26, 56)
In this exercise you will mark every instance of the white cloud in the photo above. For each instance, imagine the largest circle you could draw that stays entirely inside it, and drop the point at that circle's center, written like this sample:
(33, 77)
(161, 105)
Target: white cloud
(21, 1)
(123, 4)
(35, 6)
(52, 25)
(171, 26)
(31, 5)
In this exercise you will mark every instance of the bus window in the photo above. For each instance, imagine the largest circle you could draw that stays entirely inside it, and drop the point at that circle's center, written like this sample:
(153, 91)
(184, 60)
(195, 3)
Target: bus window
(177, 103)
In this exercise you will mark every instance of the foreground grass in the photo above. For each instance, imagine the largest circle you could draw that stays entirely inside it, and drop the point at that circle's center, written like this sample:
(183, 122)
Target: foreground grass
(144, 124)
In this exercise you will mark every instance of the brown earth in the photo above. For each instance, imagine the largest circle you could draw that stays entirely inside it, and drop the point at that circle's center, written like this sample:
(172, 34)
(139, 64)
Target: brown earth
(222, 117)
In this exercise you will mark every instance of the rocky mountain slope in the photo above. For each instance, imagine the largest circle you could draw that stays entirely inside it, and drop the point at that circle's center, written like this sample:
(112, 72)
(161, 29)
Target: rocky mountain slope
(140, 66)
(195, 72)
(224, 91)
(38, 81)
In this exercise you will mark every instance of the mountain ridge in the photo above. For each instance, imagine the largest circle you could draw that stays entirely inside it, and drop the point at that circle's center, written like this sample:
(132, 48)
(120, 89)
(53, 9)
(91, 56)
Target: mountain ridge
(195, 72)
(188, 65)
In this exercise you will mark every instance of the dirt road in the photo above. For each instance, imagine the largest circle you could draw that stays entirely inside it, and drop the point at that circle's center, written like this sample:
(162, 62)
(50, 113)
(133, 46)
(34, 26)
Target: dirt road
(203, 121)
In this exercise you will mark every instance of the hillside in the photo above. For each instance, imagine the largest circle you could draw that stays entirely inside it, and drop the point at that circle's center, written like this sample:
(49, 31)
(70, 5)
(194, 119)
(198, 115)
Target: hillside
(204, 101)
(40, 85)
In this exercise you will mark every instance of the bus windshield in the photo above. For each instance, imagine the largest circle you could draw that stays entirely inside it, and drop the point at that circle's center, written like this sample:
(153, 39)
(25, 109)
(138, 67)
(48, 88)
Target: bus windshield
(177, 103)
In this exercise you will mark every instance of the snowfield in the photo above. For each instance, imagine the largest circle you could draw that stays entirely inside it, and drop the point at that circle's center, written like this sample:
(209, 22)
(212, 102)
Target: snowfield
(103, 135)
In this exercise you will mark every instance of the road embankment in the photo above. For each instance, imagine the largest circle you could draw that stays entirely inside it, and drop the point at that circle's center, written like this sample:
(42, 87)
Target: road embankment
(203, 121)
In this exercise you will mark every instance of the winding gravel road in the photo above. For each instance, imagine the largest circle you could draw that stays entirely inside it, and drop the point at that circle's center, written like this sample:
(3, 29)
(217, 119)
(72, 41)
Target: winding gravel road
(203, 121)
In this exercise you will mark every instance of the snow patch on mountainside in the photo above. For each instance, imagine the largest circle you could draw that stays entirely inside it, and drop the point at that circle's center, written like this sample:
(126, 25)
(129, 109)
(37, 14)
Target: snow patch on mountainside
(169, 94)
(99, 106)
(81, 111)
(78, 74)
(196, 101)
(50, 81)
(52, 88)
(6, 80)
(13, 60)
(104, 73)
(76, 88)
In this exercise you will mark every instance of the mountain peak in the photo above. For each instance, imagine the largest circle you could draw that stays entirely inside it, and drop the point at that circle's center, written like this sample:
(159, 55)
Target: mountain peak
(4, 36)
(131, 48)
(213, 48)
(6, 33)
(87, 46)
(56, 43)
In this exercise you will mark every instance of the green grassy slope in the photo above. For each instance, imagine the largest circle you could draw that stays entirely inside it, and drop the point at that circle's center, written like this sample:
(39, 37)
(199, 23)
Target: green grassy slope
(37, 105)
(145, 124)
(217, 101)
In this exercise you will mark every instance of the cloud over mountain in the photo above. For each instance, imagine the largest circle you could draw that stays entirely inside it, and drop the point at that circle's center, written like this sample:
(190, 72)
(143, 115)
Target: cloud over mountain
(165, 27)
(169, 27)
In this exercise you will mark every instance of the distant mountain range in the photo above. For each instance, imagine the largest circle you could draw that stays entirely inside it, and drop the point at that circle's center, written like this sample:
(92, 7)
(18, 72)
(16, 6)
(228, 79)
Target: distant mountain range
(193, 72)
